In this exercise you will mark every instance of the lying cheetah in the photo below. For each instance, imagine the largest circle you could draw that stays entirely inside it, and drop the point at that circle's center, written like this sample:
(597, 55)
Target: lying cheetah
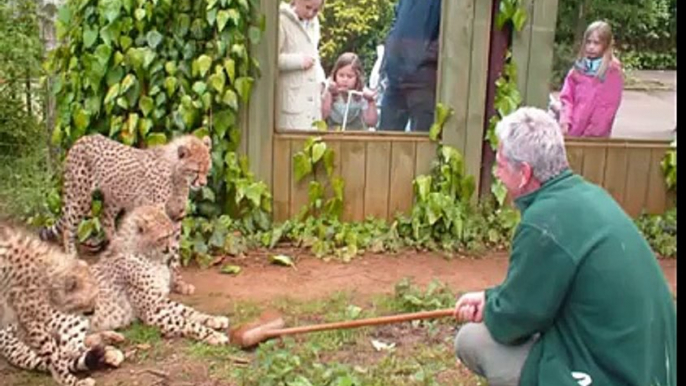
(128, 177)
(134, 281)
(40, 290)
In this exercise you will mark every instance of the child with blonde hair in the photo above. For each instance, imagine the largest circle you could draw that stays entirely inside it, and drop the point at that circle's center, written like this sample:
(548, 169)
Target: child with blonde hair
(301, 77)
(592, 90)
(346, 102)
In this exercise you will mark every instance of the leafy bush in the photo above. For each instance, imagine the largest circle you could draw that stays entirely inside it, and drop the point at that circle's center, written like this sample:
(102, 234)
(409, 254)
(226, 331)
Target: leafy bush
(143, 72)
(660, 231)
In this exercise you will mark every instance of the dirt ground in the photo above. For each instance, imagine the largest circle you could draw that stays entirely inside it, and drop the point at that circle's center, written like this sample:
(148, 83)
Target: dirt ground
(173, 363)
(373, 274)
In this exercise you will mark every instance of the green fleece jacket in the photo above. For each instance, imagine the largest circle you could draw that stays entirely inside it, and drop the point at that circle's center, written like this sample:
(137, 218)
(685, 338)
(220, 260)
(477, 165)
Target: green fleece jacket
(584, 279)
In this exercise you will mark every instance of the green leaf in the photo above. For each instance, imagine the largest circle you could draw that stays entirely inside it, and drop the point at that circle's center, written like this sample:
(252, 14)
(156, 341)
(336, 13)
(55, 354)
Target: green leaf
(146, 104)
(244, 87)
(423, 185)
(132, 123)
(211, 17)
(81, 119)
(230, 67)
(318, 151)
(154, 139)
(230, 269)
(125, 42)
(301, 165)
(217, 82)
(154, 39)
(254, 193)
(211, 4)
(170, 85)
(112, 93)
(281, 260)
(170, 68)
(435, 131)
(329, 162)
(235, 16)
(103, 53)
(56, 136)
(199, 87)
(222, 19)
(320, 125)
(110, 8)
(222, 120)
(128, 82)
(139, 14)
(90, 35)
(519, 19)
(204, 63)
(230, 99)
(315, 193)
(144, 126)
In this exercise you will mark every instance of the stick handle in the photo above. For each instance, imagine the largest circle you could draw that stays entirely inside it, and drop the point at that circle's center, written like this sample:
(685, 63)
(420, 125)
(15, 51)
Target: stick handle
(361, 322)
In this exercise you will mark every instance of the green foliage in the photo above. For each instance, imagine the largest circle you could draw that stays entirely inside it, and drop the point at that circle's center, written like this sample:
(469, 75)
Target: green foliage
(668, 165)
(410, 298)
(314, 157)
(354, 26)
(20, 95)
(145, 71)
(660, 231)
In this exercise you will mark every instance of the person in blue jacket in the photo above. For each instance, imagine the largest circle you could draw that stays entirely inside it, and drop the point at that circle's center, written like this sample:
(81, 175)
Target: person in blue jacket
(410, 66)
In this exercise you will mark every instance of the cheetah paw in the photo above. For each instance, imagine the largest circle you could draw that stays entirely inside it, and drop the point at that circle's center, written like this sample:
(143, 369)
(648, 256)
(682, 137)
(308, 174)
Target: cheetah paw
(104, 337)
(184, 288)
(85, 382)
(113, 356)
(217, 339)
(217, 322)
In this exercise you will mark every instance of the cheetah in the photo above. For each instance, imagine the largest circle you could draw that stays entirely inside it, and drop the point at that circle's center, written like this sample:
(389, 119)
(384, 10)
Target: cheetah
(128, 177)
(134, 279)
(41, 291)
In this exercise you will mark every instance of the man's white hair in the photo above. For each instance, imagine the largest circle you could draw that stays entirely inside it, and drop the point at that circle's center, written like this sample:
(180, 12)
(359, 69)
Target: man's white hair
(531, 135)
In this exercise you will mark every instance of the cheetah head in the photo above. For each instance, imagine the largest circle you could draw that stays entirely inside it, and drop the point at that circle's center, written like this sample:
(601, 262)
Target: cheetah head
(194, 160)
(73, 289)
(146, 230)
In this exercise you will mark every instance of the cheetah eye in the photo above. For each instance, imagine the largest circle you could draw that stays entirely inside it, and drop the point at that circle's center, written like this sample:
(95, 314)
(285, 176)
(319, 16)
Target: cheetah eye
(141, 229)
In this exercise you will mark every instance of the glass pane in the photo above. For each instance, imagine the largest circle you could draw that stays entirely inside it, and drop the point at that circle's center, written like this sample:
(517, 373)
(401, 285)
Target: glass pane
(358, 65)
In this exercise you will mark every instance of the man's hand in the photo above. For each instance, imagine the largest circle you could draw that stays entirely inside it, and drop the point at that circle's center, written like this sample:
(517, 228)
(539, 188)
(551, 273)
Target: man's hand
(470, 307)
(369, 94)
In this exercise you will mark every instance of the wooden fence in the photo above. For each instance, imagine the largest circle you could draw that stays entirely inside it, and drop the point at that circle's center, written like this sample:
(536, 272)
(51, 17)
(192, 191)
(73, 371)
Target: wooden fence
(628, 169)
(378, 171)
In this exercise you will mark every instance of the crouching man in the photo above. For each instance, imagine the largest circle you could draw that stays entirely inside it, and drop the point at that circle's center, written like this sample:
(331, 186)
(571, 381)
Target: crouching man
(584, 301)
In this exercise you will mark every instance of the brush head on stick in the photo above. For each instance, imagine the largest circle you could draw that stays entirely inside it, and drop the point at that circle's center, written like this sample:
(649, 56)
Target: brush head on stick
(254, 333)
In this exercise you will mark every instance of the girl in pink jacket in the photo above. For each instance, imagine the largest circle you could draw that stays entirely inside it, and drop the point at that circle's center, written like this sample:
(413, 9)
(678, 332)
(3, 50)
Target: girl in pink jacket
(592, 90)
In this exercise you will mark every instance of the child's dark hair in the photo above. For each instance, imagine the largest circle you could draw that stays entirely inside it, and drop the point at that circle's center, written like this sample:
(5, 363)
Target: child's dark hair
(350, 59)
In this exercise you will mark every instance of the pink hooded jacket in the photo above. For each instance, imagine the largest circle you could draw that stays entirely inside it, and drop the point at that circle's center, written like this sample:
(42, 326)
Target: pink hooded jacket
(590, 104)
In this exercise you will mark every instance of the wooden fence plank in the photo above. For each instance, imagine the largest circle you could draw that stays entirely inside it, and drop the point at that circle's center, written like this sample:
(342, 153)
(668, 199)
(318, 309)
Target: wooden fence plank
(637, 179)
(426, 153)
(403, 155)
(353, 167)
(377, 180)
(594, 165)
(575, 156)
(281, 193)
(615, 173)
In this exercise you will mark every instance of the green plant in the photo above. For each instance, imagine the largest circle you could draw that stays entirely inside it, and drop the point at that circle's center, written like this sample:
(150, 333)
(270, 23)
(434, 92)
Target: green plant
(314, 157)
(668, 165)
(144, 71)
(660, 231)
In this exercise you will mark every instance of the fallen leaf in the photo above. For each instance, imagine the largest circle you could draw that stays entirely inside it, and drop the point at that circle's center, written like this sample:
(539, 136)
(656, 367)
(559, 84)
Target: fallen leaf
(230, 269)
(381, 346)
(281, 260)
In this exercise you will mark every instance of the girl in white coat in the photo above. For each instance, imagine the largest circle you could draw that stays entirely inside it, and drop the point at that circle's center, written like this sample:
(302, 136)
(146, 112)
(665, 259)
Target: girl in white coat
(301, 76)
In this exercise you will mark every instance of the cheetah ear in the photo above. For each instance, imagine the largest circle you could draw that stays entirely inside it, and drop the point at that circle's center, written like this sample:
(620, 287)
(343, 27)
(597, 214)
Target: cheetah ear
(207, 141)
(183, 151)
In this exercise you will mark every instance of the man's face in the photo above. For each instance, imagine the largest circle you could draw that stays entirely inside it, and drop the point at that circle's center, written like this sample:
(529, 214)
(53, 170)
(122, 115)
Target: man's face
(512, 176)
(307, 9)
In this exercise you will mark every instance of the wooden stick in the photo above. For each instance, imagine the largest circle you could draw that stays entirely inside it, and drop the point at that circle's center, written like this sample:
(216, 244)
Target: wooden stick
(360, 323)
